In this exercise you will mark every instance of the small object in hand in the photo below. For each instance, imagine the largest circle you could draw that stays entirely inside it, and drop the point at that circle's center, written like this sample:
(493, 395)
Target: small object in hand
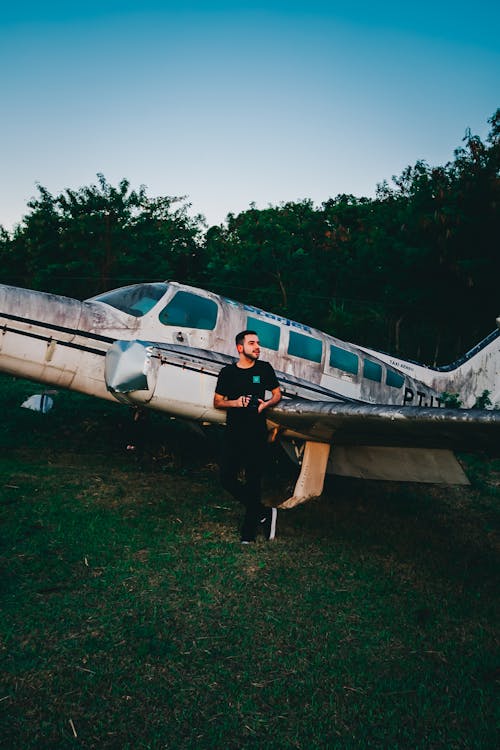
(253, 401)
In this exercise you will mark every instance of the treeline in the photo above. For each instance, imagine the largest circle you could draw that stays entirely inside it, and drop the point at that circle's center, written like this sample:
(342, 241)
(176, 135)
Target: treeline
(414, 271)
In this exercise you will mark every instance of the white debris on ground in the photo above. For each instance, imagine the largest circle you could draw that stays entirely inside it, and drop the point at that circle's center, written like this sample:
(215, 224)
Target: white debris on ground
(39, 402)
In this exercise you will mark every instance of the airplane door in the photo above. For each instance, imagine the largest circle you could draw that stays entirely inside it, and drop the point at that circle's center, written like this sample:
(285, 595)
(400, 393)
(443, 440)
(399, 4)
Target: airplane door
(189, 319)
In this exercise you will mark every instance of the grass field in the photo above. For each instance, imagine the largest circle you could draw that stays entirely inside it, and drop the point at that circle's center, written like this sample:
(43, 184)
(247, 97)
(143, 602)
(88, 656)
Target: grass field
(132, 618)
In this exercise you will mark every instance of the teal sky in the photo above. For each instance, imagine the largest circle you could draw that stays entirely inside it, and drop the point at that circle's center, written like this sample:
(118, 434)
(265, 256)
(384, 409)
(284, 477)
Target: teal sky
(230, 103)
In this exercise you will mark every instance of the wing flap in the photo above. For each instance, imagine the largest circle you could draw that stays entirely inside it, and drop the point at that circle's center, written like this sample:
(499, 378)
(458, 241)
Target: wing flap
(425, 465)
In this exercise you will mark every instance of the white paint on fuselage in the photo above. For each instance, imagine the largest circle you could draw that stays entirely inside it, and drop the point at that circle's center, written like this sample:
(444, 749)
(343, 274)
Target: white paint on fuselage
(61, 341)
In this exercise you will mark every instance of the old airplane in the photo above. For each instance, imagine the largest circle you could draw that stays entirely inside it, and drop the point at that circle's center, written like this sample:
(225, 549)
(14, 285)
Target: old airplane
(347, 409)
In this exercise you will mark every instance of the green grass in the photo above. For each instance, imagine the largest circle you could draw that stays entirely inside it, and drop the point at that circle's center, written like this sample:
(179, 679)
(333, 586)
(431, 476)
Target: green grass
(132, 618)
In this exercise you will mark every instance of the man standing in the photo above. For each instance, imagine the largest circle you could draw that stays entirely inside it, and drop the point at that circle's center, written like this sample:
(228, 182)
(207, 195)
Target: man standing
(241, 389)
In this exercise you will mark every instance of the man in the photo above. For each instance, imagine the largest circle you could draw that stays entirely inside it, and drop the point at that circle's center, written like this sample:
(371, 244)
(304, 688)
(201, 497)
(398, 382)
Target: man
(240, 390)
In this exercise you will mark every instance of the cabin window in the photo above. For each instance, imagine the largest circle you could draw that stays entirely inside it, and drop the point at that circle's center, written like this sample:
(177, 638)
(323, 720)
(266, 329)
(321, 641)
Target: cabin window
(269, 334)
(305, 347)
(394, 379)
(187, 310)
(343, 359)
(136, 300)
(372, 370)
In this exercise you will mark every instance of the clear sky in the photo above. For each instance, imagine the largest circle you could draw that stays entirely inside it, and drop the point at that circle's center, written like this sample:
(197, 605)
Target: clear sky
(230, 103)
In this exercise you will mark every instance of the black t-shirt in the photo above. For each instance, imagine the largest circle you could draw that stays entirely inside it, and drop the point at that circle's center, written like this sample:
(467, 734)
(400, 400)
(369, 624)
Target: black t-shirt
(234, 381)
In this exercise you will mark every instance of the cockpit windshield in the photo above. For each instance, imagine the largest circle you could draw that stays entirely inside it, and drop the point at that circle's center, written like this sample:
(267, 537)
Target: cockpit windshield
(188, 310)
(136, 300)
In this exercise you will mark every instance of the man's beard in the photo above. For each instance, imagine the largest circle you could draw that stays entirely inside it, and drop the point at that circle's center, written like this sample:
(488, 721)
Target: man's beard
(250, 354)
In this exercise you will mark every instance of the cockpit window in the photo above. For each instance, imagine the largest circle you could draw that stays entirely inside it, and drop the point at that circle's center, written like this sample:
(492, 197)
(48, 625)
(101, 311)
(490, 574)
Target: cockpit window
(136, 300)
(187, 310)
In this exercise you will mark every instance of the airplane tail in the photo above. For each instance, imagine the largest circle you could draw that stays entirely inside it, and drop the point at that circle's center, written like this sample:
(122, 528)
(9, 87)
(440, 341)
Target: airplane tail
(475, 377)
(29, 323)
(44, 337)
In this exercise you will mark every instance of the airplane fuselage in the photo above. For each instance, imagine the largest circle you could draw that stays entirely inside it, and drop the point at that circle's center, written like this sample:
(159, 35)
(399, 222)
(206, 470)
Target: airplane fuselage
(65, 342)
(162, 345)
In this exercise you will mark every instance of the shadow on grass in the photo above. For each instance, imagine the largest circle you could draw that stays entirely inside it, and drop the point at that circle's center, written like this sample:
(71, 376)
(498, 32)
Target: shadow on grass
(447, 532)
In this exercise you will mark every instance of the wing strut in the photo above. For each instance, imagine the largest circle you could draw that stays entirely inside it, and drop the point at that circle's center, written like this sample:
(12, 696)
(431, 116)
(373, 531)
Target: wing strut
(312, 474)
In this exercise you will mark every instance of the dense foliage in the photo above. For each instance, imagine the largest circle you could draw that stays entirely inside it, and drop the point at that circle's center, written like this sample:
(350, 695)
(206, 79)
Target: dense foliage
(414, 270)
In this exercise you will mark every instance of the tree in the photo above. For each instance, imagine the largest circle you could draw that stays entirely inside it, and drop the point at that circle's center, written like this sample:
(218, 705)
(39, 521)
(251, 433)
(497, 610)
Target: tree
(85, 241)
(414, 270)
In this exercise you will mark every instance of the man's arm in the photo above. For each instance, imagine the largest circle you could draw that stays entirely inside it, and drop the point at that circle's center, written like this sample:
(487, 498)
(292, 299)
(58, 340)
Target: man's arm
(275, 397)
(222, 402)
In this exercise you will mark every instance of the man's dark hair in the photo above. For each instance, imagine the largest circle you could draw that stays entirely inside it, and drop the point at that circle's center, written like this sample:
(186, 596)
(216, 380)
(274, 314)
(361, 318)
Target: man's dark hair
(240, 337)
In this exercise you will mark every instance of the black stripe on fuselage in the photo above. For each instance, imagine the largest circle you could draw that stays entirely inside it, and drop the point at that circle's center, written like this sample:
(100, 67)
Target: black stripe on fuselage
(48, 339)
(227, 359)
(284, 380)
(53, 327)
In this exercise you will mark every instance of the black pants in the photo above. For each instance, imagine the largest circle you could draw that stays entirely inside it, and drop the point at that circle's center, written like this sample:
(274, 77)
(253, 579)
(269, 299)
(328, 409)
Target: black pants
(245, 452)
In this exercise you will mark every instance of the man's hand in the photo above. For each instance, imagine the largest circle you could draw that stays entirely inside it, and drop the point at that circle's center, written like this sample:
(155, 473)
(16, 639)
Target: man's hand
(275, 398)
(221, 402)
(262, 405)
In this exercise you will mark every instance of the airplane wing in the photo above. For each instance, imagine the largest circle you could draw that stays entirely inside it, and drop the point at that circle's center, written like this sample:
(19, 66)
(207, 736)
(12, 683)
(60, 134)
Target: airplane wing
(130, 365)
(369, 441)
(373, 441)
(381, 425)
